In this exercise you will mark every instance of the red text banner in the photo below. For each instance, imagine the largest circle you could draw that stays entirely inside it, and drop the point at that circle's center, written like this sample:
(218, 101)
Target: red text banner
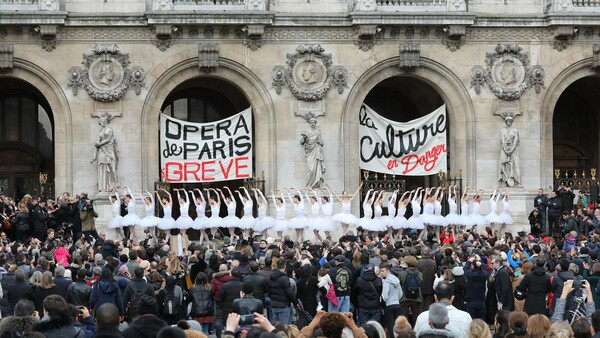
(206, 152)
(414, 148)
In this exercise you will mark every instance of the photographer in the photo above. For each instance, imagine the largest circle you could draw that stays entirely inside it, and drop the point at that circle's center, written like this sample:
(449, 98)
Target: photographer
(332, 324)
(39, 217)
(88, 220)
(562, 309)
(247, 306)
(476, 277)
(82, 320)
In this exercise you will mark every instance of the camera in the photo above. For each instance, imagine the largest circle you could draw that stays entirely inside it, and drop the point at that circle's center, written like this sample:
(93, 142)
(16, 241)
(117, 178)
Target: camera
(89, 206)
(246, 320)
(576, 284)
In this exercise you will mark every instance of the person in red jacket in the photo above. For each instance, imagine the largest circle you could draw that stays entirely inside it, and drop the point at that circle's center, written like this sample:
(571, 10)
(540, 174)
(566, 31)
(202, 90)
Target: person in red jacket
(447, 237)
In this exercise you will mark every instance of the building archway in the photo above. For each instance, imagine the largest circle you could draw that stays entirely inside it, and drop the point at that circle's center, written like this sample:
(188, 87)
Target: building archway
(441, 81)
(49, 149)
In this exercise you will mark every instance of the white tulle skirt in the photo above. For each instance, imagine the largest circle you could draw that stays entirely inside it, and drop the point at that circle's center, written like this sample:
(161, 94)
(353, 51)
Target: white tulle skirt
(506, 218)
(247, 222)
(415, 222)
(467, 221)
(440, 220)
(214, 222)
(326, 224)
(478, 220)
(130, 219)
(200, 223)
(493, 218)
(453, 219)
(400, 222)
(184, 222)
(345, 218)
(149, 221)
(115, 222)
(166, 223)
(298, 222)
(231, 221)
(280, 225)
(428, 219)
(264, 223)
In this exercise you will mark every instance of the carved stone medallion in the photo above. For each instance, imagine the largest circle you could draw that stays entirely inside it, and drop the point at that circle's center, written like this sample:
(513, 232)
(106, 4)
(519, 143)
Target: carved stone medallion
(508, 73)
(309, 74)
(106, 74)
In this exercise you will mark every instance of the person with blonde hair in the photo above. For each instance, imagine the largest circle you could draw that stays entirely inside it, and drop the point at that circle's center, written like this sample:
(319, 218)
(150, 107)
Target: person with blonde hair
(402, 328)
(560, 329)
(538, 326)
(45, 289)
(479, 329)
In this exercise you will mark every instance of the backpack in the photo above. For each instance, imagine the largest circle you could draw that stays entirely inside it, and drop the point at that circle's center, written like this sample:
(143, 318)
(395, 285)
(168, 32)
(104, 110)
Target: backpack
(342, 280)
(134, 303)
(413, 289)
(172, 302)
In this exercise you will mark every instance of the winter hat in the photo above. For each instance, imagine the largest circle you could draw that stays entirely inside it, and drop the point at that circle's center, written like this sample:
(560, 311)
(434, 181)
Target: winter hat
(194, 325)
(148, 305)
(504, 256)
(458, 271)
(68, 274)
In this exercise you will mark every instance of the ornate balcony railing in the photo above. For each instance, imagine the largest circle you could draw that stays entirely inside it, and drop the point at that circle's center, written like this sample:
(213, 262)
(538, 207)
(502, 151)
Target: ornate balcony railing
(28, 5)
(209, 5)
(576, 178)
(411, 5)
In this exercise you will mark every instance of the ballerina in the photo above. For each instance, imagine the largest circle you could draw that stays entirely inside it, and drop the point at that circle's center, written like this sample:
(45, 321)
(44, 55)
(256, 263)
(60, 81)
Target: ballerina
(345, 217)
(505, 217)
(452, 218)
(231, 221)
(281, 224)
(214, 222)
(389, 219)
(440, 220)
(247, 221)
(263, 222)
(465, 217)
(366, 222)
(427, 216)
(326, 203)
(201, 222)
(378, 221)
(315, 214)
(298, 222)
(493, 218)
(117, 219)
(149, 221)
(400, 222)
(131, 219)
(414, 221)
(478, 220)
(184, 221)
(166, 222)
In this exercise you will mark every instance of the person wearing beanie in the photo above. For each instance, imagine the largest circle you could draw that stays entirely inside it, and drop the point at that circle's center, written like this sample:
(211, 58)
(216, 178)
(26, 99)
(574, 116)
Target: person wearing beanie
(147, 324)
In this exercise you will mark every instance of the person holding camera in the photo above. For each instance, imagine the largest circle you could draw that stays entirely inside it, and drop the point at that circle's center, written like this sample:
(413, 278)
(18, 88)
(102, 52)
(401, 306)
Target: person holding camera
(83, 320)
(332, 324)
(247, 305)
(476, 277)
(88, 220)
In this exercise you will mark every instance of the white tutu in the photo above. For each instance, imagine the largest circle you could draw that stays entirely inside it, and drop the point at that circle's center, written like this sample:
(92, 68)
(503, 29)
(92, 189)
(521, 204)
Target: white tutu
(453, 219)
(400, 222)
(466, 220)
(214, 222)
(414, 222)
(387, 221)
(493, 218)
(280, 225)
(130, 219)
(506, 218)
(440, 220)
(345, 218)
(184, 222)
(478, 220)
(314, 223)
(115, 222)
(298, 222)
(166, 223)
(428, 219)
(149, 221)
(201, 222)
(230, 221)
(326, 224)
(247, 222)
(264, 223)
(380, 223)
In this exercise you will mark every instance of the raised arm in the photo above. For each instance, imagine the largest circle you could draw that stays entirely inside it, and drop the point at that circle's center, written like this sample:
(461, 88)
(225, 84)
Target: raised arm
(246, 193)
(300, 194)
(159, 199)
(465, 194)
(129, 192)
(191, 192)
(273, 197)
(498, 196)
(393, 197)
(220, 192)
(367, 196)
(258, 193)
(357, 190)
(414, 199)
(150, 195)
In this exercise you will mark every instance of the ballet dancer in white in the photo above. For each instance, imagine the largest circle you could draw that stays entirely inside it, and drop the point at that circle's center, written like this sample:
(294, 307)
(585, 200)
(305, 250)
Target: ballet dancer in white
(215, 221)
(231, 221)
(505, 218)
(263, 222)
(465, 217)
(201, 222)
(167, 222)
(298, 222)
(327, 224)
(117, 219)
(184, 221)
(281, 224)
(247, 221)
(389, 219)
(414, 221)
(400, 222)
(346, 218)
(131, 219)
(453, 218)
(315, 214)
(366, 222)
(478, 220)
(149, 221)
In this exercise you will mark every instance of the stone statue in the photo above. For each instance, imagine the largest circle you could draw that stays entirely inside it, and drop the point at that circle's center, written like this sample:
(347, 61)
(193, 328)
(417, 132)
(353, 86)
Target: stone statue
(106, 156)
(510, 175)
(313, 151)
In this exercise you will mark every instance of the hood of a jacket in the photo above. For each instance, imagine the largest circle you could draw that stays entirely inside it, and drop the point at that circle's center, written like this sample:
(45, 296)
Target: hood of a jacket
(391, 279)
(147, 325)
(107, 287)
(277, 274)
(538, 271)
(369, 276)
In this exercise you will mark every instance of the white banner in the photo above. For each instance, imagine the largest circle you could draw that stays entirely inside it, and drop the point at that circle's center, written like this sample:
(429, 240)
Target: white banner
(414, 148)
(205, 152)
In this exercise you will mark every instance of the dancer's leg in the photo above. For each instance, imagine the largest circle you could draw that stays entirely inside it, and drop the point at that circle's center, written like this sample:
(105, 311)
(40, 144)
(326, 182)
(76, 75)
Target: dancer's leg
(345, 229)
(317, 236)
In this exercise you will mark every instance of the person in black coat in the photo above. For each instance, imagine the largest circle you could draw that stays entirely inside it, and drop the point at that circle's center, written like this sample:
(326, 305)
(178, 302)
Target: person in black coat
(566, 197)
(22, 224)
(554, 212)
(476, 278)
(537, 285)
(258, 282)
(281, 293)
(307, 289)
(147, 324)
(503, 285)
(460, 285)
(21, 289)
(109, 249)
(231, 291)
(368, 287)
(38, 220)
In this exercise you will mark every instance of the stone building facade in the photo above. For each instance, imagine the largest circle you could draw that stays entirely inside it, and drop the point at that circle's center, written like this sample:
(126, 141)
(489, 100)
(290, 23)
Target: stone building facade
(483, 58)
